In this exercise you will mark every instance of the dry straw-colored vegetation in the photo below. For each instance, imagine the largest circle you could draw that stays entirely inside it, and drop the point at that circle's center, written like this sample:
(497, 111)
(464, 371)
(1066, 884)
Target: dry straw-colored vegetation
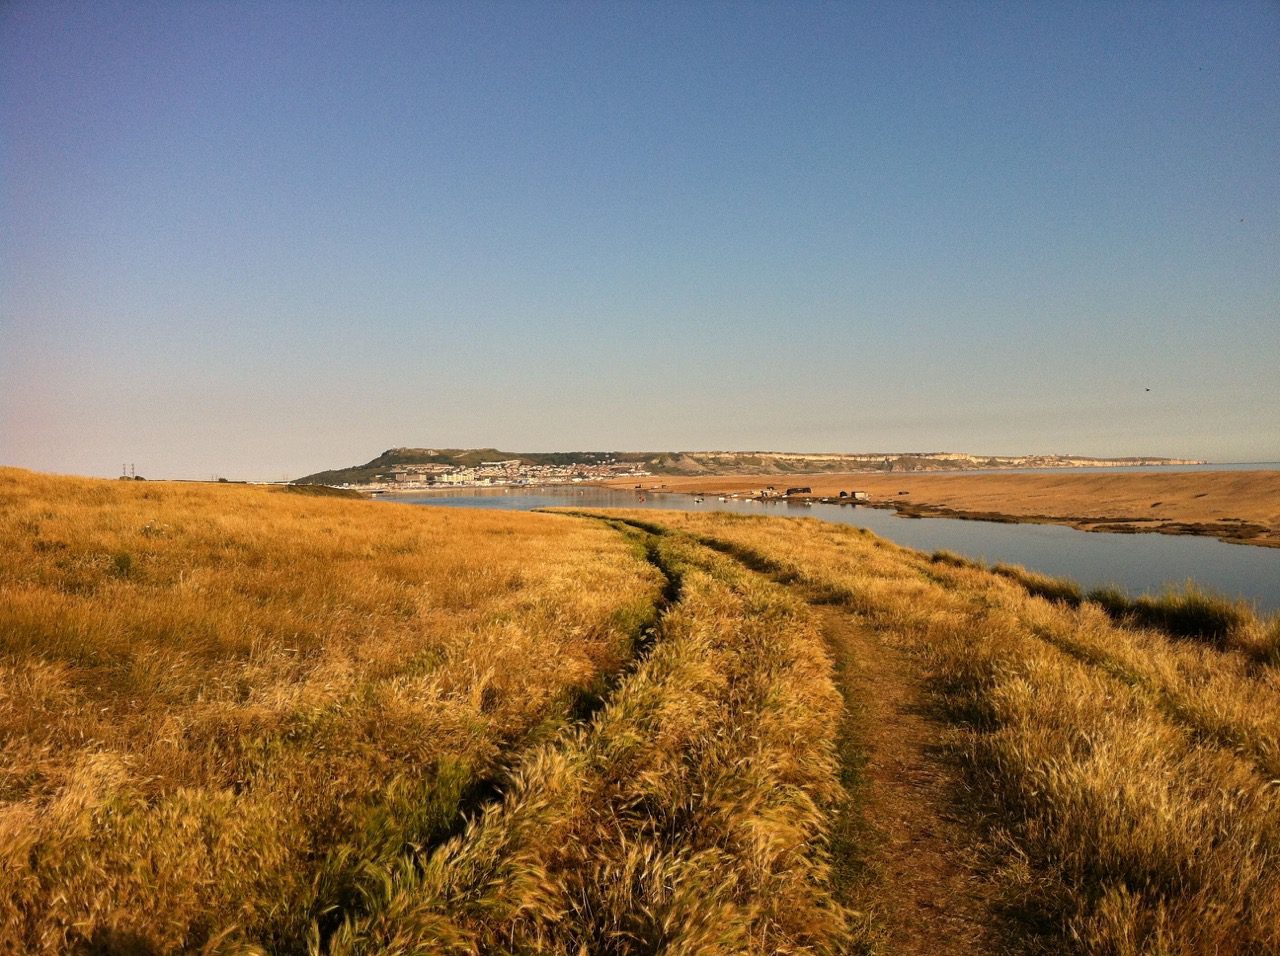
(691, 815)
(219, 705)
(239, 720)
(1127, 781)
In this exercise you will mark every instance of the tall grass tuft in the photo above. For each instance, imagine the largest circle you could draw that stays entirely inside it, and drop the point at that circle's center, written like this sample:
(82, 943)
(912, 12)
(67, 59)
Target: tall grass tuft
(950, 558)
(1061, 590)
(1191, 613)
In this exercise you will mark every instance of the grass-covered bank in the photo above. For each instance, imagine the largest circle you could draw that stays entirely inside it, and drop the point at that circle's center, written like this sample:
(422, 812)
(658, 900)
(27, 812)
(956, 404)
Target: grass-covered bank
(237, 720)
(1122, 780)
(1189, 612)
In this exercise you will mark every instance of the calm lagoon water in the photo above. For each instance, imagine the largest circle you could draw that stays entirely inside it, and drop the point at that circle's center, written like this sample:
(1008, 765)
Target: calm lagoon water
(1139, 563)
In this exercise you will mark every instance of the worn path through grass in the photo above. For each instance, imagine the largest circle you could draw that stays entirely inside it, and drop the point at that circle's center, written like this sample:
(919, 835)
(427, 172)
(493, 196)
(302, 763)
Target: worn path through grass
(919, 885)
(689, 815)
(903, 859)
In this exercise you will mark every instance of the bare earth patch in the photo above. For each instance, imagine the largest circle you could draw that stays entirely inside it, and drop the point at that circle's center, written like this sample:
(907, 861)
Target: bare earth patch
(924, 894)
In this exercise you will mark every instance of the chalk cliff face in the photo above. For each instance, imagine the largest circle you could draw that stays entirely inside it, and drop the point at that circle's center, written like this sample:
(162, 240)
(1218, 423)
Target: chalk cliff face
(714, 462)
(764, 462)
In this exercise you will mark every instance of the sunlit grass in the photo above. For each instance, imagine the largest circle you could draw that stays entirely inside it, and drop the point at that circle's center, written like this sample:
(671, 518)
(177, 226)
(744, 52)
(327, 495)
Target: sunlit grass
(692, 815)
(1190, 612)
(220, 702)
(1124, 779)
(243, 720)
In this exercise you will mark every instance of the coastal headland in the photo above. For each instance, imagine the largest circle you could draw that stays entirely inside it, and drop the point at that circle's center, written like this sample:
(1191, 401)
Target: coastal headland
(1236, 506)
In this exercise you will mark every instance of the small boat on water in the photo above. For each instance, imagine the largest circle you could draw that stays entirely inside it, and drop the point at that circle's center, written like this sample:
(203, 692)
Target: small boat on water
(697, 501)
(723, 498)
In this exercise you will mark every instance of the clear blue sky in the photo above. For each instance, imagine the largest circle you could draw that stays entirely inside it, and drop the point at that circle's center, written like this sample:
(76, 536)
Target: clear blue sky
(259, 239)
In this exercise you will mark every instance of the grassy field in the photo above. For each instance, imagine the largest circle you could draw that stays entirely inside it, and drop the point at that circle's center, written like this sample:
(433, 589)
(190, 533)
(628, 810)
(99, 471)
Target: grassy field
(1121, 782)
(219, 705)
(237, 720)
(690, 816)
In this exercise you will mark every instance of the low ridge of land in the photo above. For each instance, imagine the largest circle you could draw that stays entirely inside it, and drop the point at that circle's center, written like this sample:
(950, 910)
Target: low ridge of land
(395, 461)
(1237, 506)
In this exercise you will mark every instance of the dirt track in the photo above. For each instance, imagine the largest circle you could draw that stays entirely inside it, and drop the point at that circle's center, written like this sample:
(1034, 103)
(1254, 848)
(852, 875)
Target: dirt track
(924, 896)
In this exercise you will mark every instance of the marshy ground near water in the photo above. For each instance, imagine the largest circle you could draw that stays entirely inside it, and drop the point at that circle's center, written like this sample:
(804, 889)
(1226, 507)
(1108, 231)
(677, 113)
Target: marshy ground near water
(1236, 504)
(242, 721)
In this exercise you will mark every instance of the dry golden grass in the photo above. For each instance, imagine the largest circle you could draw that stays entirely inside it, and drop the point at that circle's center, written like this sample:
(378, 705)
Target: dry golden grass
(692, 815)
(237, 720)
(220, 704)
(1129, 783)
(1188, 612)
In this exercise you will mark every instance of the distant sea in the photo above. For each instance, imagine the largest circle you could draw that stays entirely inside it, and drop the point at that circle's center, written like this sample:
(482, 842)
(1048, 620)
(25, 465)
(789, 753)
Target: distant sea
(1211, 466)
